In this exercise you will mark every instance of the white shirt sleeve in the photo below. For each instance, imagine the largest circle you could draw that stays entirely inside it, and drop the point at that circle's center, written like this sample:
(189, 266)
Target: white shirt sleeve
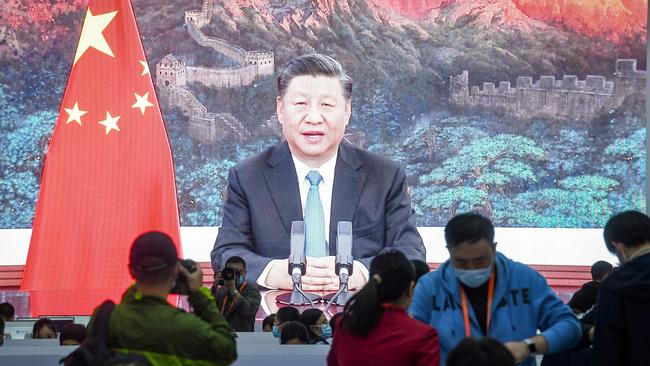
(261, 280)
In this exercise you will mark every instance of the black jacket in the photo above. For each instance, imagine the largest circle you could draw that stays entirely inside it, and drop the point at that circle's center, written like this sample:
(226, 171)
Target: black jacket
(623, 319)
(241, 313)
(585, 298)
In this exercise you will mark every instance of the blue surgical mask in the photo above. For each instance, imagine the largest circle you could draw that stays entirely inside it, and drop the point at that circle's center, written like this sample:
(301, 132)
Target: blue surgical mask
(473, 277)
(276, 331)
(326, 331)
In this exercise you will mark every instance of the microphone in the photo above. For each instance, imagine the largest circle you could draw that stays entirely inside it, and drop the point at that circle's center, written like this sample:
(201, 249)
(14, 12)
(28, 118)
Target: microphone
(297, 260)
(344, 263)
(297, 268)
(344, 260)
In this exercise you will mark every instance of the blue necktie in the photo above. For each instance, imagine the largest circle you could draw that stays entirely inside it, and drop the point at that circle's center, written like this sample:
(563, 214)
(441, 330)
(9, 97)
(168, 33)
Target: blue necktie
(315, 244)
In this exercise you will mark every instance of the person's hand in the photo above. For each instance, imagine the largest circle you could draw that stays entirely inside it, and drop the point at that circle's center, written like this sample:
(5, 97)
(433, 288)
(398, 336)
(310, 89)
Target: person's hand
(592, 330)
(519, 351)
(194, 279)
(217, 277)
(320, 275)
(230, 285)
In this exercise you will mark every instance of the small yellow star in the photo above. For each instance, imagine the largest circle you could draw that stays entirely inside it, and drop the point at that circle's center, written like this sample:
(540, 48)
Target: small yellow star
(91, 34)
(74, 114)
(141, 102)
(145, 68)
(110, 123)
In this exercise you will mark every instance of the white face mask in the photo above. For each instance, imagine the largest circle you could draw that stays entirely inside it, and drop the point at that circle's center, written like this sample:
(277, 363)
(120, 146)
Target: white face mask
(473, 277)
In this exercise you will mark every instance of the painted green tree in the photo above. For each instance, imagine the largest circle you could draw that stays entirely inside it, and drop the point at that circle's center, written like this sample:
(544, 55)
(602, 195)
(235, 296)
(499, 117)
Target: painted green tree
(575, 202)
(483, 168)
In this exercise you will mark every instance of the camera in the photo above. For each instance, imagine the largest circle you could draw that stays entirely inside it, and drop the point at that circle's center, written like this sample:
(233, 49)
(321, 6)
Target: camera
(228, 274)
(181, 287)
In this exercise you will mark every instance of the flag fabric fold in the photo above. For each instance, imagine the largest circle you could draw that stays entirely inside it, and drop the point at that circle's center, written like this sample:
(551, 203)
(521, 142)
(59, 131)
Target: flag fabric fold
(108, 173)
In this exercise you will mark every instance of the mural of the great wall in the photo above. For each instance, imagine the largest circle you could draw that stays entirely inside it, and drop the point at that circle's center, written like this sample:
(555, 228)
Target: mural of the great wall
(530, 111)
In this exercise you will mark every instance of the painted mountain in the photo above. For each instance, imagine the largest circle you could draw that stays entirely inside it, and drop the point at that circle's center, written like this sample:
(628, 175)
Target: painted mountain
(531, 111)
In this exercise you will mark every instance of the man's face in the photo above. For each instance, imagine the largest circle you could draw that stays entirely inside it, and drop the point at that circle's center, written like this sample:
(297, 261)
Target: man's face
(238, 267)
(313, 114)
(473, 255)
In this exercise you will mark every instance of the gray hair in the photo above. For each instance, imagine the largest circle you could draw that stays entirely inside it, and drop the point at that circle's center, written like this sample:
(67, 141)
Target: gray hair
(314, 64)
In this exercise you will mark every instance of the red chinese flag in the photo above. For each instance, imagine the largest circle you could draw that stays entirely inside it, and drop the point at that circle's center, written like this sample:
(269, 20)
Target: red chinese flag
(108, 173)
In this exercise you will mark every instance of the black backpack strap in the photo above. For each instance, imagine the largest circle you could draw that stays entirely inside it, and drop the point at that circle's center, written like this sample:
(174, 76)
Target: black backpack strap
(102, 320)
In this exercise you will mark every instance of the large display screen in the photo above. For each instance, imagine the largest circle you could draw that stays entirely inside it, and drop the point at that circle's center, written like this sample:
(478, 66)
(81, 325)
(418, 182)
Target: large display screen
(531, 112)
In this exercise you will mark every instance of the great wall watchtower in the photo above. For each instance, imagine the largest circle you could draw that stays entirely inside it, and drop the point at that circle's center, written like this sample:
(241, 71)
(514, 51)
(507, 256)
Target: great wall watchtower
(171, 72)
(568, 98)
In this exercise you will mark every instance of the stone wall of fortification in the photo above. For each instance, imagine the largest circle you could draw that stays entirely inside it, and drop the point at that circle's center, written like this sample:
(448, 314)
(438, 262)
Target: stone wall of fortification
(548, 97)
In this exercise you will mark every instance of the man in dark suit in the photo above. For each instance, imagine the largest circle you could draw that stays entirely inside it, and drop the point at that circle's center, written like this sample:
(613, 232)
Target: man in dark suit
(314, 177)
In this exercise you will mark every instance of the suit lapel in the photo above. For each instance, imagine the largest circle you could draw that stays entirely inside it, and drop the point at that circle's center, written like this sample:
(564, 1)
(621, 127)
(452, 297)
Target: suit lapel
(282, 183)
(349, 180)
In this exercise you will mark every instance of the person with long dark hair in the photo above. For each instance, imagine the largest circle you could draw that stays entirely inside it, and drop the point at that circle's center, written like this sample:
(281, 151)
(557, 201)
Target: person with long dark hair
(375, 328)
(317, 326)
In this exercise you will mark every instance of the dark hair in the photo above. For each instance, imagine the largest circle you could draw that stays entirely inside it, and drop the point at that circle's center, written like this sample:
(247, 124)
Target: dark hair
(310, 317)
(631, 228)
(314, 64)
(269, 320)
(391, 274)
(7, 311)
(468, 227)
(293, 329)
(484, 352)
(421, 268)
(235, 259)
(127, 359)
(73, 331)
(600, 269)
(43, 322)
(333, 321)
(286, 314)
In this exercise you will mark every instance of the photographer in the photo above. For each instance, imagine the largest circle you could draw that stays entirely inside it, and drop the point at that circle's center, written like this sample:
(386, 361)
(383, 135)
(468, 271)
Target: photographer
(145, 323)
(237, 299)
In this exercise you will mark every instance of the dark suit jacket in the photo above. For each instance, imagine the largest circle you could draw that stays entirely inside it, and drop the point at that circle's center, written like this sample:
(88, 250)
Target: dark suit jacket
(263, 199)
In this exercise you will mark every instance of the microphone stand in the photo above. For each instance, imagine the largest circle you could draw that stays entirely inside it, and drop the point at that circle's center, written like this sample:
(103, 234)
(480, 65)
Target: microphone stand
(342, 296)
(298, 297)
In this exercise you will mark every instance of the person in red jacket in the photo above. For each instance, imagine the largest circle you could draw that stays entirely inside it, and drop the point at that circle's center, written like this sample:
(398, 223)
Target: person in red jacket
(375, 328)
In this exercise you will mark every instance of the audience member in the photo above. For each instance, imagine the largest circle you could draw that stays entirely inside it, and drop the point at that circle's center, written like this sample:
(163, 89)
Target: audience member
(72, 334)
(333, 321)
(285, 314)
(294, 332)
(483, 352)
(375, 328)
(317, 326)
(44, 328)
(127, 359)
(479, 292)
(421, 268)
(237, 298)
(586, 296)
(7, 312)
(267, 323)
(145, 323)
(623, 308)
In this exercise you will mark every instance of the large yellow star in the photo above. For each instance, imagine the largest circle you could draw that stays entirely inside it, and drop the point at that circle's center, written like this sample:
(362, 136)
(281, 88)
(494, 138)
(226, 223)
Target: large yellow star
(145, 68)
(91, 34)
(110, 123)
(141, 102)
(74, 114)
